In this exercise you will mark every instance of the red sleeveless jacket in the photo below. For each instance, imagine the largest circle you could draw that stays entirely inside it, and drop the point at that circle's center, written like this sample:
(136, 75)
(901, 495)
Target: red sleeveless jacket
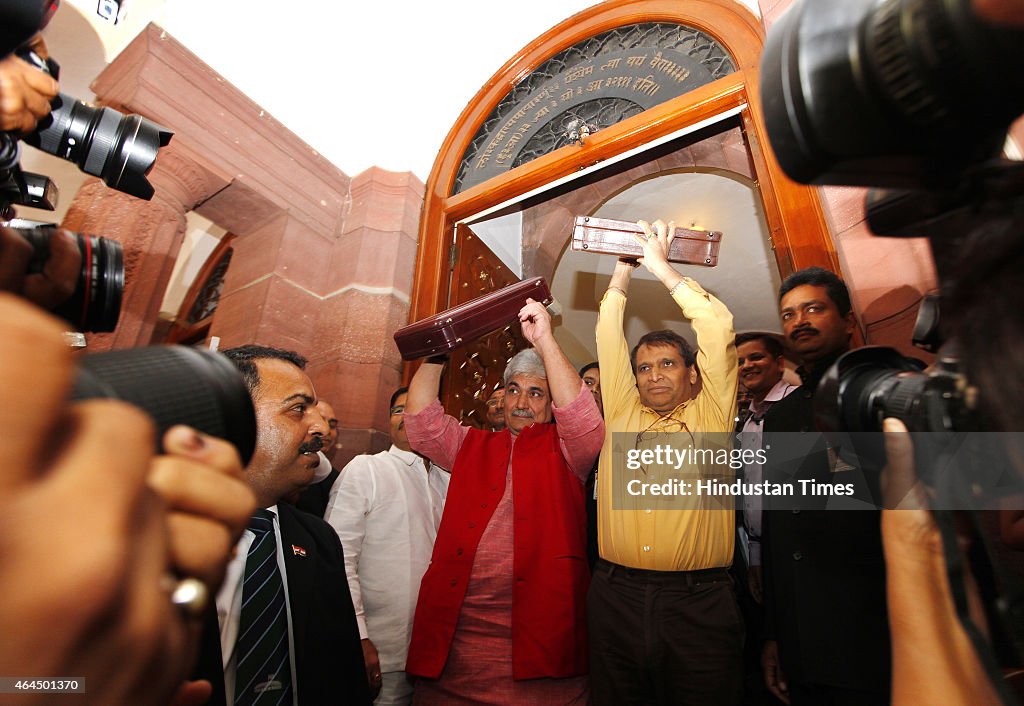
(550, 574)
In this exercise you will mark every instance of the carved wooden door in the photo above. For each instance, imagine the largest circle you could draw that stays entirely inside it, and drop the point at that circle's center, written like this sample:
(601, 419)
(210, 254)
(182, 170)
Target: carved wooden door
(475, 370)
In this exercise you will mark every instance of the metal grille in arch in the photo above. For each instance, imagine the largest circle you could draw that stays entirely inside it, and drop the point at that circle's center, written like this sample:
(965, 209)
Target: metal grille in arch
(589, 86)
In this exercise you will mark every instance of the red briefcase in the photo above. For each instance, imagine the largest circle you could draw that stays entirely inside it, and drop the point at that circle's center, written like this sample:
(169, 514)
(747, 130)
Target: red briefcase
(459, 325)
(602, 235)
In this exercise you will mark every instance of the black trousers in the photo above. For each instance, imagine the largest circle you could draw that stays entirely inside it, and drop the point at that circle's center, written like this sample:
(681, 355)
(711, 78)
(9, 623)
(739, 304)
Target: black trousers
(660, 637)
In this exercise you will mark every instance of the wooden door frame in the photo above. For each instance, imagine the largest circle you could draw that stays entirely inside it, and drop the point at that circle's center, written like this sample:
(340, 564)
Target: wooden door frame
(181, 330)
(796, 222)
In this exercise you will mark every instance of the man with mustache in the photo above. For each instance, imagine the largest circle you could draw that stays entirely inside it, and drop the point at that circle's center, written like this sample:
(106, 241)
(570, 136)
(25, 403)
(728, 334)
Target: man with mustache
(500, 617)
(664, 625)
(826, 628)
(386, 509)
(287, 629)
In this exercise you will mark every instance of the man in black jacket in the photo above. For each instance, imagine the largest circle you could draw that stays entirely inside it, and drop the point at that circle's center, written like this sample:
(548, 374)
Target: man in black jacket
(826, 622)
(286, 629)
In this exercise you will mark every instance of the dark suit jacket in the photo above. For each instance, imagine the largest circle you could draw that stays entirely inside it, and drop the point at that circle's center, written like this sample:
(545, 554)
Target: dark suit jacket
(314, 498)
(824, 568)
(328, 652)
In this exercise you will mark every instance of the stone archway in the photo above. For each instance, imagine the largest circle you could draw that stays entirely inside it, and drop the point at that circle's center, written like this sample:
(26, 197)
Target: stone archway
(322, 262)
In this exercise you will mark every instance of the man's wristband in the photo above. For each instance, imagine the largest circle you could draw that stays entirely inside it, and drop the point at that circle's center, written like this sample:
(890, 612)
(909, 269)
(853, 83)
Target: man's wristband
(677, 285)
(620, 290)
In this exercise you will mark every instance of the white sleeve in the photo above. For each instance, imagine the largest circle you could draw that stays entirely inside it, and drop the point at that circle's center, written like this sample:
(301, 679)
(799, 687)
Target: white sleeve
(351, 500)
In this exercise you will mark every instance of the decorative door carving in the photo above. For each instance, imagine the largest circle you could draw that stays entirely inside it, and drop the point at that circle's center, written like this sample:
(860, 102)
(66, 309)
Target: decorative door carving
(475, 370)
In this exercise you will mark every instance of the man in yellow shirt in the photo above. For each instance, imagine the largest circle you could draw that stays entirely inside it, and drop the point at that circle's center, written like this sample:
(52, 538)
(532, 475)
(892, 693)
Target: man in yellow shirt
(664, 625)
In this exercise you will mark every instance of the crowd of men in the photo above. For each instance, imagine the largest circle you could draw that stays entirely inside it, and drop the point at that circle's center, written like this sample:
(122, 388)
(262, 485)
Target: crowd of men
(462, 572)
(455, 567)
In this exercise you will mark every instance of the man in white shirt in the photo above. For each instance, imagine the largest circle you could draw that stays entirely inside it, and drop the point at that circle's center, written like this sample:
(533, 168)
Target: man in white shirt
(386, 509)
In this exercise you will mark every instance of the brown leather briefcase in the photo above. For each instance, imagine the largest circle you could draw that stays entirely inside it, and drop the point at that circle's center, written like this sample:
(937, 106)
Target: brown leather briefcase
(464, 323)
(608, 237)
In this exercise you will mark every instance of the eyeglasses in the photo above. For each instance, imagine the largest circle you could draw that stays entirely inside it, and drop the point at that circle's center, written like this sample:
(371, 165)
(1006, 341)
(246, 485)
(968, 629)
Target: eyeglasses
(670, 425)
(493, 403)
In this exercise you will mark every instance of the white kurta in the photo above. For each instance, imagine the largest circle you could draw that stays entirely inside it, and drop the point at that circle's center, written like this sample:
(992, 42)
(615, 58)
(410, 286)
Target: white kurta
(386, 509)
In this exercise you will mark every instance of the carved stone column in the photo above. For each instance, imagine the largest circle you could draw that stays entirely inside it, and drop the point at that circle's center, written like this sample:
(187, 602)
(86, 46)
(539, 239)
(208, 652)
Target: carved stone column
(150, 233)
(322, 263)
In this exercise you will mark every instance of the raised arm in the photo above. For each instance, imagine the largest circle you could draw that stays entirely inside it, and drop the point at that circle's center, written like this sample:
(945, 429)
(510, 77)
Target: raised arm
(563, 380)
(617, 382)
(431, 432)
(423, 387)
(711, 322)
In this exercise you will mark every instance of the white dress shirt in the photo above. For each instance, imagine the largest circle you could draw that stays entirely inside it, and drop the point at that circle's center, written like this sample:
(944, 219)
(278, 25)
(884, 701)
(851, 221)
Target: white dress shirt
(386, 509)
(229, 608)
(750, 437)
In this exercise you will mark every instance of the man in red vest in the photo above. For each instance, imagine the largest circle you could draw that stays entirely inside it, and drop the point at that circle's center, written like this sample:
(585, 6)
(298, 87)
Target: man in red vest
(501, 608)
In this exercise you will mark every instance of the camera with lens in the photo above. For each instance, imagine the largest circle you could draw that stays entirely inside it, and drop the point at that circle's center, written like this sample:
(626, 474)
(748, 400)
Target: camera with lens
(915, 95)
(95, 302)
(172, 384)
(121, 150)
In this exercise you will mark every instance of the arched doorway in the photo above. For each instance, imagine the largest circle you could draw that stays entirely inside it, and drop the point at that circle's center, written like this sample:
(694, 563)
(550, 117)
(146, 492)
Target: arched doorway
(645, 50)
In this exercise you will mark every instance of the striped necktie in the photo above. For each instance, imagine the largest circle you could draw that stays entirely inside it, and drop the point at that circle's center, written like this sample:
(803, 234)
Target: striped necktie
(263, 672)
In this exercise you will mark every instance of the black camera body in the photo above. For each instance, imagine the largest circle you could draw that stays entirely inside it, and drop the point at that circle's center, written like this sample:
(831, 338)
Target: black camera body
(119, 149)
(172, 384)
(21, 20)
(915, 95)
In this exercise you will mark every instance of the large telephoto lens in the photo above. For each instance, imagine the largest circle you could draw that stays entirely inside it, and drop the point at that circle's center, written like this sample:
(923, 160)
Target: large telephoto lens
(119, 149)
(892, 93)
(869, 384)
(175, 385)
(96, 303)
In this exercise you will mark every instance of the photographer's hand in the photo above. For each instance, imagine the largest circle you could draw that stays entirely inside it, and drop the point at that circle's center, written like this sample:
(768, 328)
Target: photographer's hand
(25, 91)
(84, 543)
(49, 288)
(933, 659)
(200, 479)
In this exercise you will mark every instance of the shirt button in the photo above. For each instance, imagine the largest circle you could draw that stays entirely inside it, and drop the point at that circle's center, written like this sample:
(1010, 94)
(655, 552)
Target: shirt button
(647, 510)
(647, 548)
(459, 551)
(797, 556)
(472, 525)
(796, 511)
(454, 582)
